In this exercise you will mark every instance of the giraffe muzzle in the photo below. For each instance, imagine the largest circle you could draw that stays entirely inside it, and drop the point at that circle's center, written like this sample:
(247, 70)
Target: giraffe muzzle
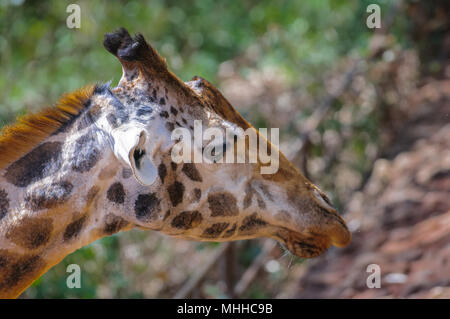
(312, 243)
(327, 228)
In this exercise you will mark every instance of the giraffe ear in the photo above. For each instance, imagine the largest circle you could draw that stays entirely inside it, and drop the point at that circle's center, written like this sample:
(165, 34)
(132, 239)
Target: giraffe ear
(130, 147)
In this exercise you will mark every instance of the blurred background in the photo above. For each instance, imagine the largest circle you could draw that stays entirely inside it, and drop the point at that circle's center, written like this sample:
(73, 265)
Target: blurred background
(363, 113)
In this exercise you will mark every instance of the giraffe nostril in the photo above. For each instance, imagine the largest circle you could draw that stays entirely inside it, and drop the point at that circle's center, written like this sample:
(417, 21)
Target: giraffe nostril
(324, 201)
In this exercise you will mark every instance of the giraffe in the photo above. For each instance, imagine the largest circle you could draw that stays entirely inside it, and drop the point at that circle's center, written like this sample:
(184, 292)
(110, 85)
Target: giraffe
(99, 162)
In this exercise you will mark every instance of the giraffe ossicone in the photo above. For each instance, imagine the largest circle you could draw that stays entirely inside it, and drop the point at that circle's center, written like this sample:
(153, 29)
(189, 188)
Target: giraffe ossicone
(100, 162)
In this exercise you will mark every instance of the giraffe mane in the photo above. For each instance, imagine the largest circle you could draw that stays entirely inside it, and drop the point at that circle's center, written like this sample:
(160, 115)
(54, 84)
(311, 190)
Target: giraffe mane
(29, 130)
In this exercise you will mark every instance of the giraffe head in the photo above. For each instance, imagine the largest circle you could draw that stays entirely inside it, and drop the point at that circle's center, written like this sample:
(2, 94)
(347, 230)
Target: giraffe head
(102, 161)
(199, 201)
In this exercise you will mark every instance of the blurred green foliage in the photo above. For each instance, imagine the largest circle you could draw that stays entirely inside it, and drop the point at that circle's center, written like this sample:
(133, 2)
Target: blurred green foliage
(40, 58)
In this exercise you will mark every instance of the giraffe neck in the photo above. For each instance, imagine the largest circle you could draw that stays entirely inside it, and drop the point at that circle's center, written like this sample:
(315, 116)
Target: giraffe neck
(48, 201)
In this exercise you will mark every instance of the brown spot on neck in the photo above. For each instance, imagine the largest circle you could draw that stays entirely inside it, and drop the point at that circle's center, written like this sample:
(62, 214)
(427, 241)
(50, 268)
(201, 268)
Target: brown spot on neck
(31, 233)
(176, 191)
(74, 228)
(114, 224)
(215, 230)
(222, 204)
(187, 220)
(162, 172)
(17, 272)
(116, 193)
(35, 165)
(147, 206)
(191, 171)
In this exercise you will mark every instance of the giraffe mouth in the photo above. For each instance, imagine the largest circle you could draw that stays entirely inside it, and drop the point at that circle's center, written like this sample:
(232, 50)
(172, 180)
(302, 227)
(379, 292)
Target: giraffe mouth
(304, 246)
(313, 239)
